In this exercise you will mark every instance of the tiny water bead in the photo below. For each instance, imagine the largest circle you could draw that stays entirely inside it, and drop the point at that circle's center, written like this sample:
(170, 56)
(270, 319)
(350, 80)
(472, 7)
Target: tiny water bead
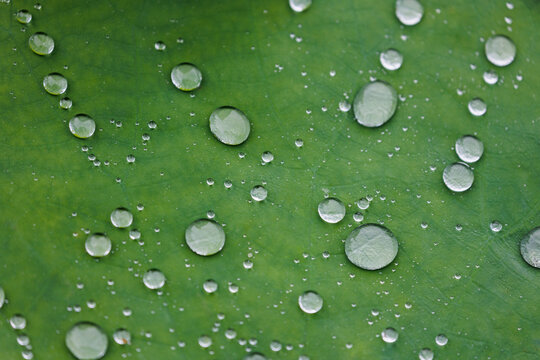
(210, 286)
(121, 218)
(229, 125)
(530, 248)
(409, 12)
(495, 226)
(389, 335)
(98, 245)
(371, 247)
(425, 354)
(259, 193)
(310, 302)
(17, 322)
(186, 77)
(55, 84)
(41, 43)
(87, 341)
(66, 103)
(500, 50)
(299, 5)
(154, 279)
(469, 148)
(205, 237)
(375, 104)
(82, 126)
(441, 340)
(23, 16)
(477, 107)
(331, 210)
(205, 341)
(391, 59)
(458, 177)
(122, 337)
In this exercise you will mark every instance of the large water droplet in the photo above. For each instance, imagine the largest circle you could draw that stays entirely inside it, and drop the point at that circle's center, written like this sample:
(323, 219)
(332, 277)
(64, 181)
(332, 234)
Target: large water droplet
(229, 125)
(530, 247)
(477, 107)
(87, 341)
(371, 247)
(23, 16)
(82, 126)
(441, 340)
(409, 12)
(310, 302)
(389, 335)
(205, 237)
(391, 59)
(186, 77)
(458, 177)
(154, 279)
(258, 193)
(55, 84)
(375, 104)
(41, 43)
(121, 218)
(331, 210)
(299, 5)
(122, 337)
(469, 148)
(425, 354)
(98, 245)
(500, 50)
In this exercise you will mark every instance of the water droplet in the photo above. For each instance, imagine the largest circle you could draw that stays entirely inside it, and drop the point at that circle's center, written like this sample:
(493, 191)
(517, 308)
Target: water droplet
(267, 157)
(331, 210)
(82, 126)
(205, 237)
(375, 104)
(310, 302)
(275, 346)
(66, 103)
(491, 77)
(160, 46)
(344, 106)
(2, 297)
(23, 340)
(186, 77)
(23, 16)
(469, 148)
(495, 226)
(530, 247)
(248, 264)
(154, 279)
(205, 341)
(358, 217)
(363, 203)
(41, 43)
(121, 218)
(27, 354)
(55, 84)
(500, 50)
(458, 177)
(122, 337)
(130, 158)
(389, 335)
(87, 341)
(409, 12)
(17, 322)
(259, 193)
(299, 143)
(371, 247)
(299, 5)
(98, 245)
(441, 340)
(229, 125)
(391, 59)
(230, 334)
(210, 286)
(425, 354)
(477, 107)
(255, 356)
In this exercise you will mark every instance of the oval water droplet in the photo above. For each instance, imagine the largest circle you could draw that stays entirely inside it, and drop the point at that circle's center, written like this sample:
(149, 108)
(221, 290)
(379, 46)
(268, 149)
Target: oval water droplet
(2, 297)
(425, 354)
(66, 103)
(23, 16)
(41, 43)
(122, 337)
(458, 177)
(409, 12)
(205, 237)
(500, 50)
(469, 148)
(389, 335)
(375, 104)
(391, 59)
(205, 341)
(87, 341)
(258, 193)
(186, 77)
(17, 322)
(55, 84)
(495, 226)
(331, 210)
(160, 46)
(299, 5)
(98, 245)
(530, 248)
(371, 247)
(229, 125)
(267, 157)
(121, 218)
(477, 107)
(441, 340)
(310, 302)
(154, 279)
(490, 77)
(344, 106)
(210, 286)
(82, 126)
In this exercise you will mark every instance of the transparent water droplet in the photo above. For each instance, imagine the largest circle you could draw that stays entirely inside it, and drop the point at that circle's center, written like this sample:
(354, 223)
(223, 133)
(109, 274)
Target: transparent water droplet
(441, 340)
(2, 297)
(275, 346)
(122, 337)
(160, 46)
(130, 158)
(255, 356)
(98, 245)
(371, 247)
(477, 107)
(66, 103)
(247, 264)
(23, 340)
(229, 125)
(310, 302)
(154, 279)
(490, 77)
(358, 217)
(205, 237)
(389, 335)
(55, 84)
(82, 126)
(121, 218)
(375, 104)
(267, 157)
(469, 148)
(363, 203)
(134, 234)
(23, 16)
(86, 340)
(500, 50)
(205, 341)
(210, 286)
(233, 288)
(344, 106)
(391, 59)
(299, 5)
(331, 210)
(27, 354)
(409, 12)
(458, 177)
(425, 354)
(495, 226)
(299, 143)
(259, 193)
(41, 43)
(17, 322)
(530, 247)
(230, 334)
(186, 77)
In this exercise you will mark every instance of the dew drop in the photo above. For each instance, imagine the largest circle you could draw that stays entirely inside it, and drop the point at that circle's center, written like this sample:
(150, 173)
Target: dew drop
(2, 297)
(409, 12)
(205, 237)
(41, 43)
(371, 247)
(500, 50)
(17, 322)
(490, 77)
(55, 84)
(98, 245)
(495, 226)
(87, 341)
(310, 302)
(122, 337)
(344, 106)
(375, 104)
(154, 279)
(469, 148)
(299, 143)
(425, 354)
(23, 340)
(210, 286)
(331, 210)
(160, 46)
(82, 126)
(229, 125)
(391, 59)
(530, 247)
(299, 5)
(441, 340)
(186, 77)
(389, 335)
(121, 218)
(23, 16)
(358, 217)
(477, 107)
(458, 177)
(66, 103)
(205, 341)
(258, 193)
(267, 157)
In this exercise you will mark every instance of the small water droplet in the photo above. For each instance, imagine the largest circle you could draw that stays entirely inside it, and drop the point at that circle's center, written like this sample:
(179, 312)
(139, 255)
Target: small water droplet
(205, 341)
(491, 77)
(331, 210)
(259, 193)
(441, 340)
(186, 77)
(98, 245)
(130, 158)
(23, 340)
(2, 297)
(389, 335)
(82, 126)
(425, 354)
(391, 59)
(267, 157)
(160, 46)
(299, 143)
(121, 218)
(229, 125)
(275, 346)
(310, 302)
(66, 103)
(17, 322)
(458, 177)
(154, 279)
(41, 43)
(500, 50)
(530, 247)
(86, 340)
(358, 217)
(375, 104)
(477, 107)
(371, 247)
(55, 84)
(23, 16)
(469, 148)
(495, 226)
(122, 337)
(205, 237)
(363, 203)
(299, 5)
(344, 106)
(230, 334)
(409, 12)
(210, 286)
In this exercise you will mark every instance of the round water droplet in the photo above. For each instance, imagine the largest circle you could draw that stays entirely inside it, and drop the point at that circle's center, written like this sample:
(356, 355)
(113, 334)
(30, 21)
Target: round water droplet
(205, 237)
(299, 5)
(363, 203)
(275, 346)
(23, 340)
(66, 103)
(469, 148)
(82, 126)
(122, 337)
(441, 340)
(389, 335)
(55, 84)
(229, 125)
(154, 279)
(259, 193)
(205, 341)
(495, 226)
(255, 356)
(331, 210)
(87, 341)
(160, 46)
(477, 107)
(391, 59)
(375, 104)
(344, 106)
(121, 218)
(186, 77)
(530, 247)
(17, 322)
(500, 50)
(458, 177)
(98, 245)
(425, 354)
(41, 43)
(310, 302)
(371, 247)
(23, 16)
(358, 217)
(409, 12)
(267, 157)
(491, 77)
(210, 286)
